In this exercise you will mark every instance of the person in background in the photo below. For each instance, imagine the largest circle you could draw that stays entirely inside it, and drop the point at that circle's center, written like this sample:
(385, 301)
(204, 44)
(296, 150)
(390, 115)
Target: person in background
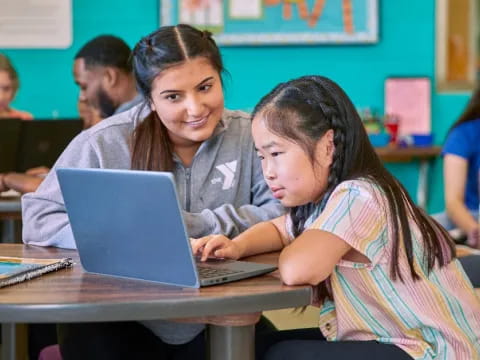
(9, 85)
(181, 127)
(103, 71)
(461, 166)
(32, 178)
(386, 276)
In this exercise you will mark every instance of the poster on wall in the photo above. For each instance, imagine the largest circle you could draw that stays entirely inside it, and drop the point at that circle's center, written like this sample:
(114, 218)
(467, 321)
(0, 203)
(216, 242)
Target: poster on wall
(409, 99)
(35, 24)
(260, 22)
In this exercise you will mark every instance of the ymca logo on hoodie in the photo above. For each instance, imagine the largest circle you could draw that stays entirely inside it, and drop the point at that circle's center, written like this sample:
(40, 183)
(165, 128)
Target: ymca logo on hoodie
(228, 171)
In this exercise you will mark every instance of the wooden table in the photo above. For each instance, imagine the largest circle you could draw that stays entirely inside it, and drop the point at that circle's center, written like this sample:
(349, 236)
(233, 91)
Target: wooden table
(408, 154)
(72, 295)
(10, 210)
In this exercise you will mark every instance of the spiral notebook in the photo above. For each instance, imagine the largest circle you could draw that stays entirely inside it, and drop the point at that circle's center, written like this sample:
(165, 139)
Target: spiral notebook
(14, 270)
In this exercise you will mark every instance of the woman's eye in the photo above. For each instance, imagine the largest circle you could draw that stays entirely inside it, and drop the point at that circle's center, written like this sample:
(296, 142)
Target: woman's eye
(275, 154)
(205, 87)
(172, 97)
(260, 157)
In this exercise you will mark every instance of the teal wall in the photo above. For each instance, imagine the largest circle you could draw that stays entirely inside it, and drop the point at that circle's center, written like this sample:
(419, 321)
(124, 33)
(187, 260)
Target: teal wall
(406, 48)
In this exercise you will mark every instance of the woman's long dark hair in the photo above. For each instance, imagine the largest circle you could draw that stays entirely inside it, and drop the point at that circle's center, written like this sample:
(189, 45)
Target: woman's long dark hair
(471, 112)
(166, 47)
(302, 111)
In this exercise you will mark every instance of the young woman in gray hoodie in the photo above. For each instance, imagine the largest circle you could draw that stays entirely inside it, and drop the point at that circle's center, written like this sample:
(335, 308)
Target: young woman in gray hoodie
(184, 128)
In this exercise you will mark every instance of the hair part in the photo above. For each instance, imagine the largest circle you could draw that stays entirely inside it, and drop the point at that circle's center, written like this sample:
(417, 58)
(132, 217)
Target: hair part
(7, 66)
(303, 110)
(106, 50)
(166, 47)
(181, 44)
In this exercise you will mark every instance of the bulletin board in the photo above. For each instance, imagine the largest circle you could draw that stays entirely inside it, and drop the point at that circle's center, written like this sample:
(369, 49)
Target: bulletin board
(260, 22)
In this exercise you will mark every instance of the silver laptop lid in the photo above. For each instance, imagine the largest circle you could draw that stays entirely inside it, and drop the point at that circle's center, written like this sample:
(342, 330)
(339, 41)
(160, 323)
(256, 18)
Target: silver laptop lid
(128, 223)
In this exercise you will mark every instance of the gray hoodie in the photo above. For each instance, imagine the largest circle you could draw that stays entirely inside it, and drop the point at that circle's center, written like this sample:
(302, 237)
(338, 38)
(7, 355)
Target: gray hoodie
(222, 192)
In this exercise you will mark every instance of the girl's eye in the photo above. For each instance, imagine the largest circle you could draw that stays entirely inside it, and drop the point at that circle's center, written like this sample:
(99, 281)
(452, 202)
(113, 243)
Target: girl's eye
(205, 87)
(260, 157)
(275, 153)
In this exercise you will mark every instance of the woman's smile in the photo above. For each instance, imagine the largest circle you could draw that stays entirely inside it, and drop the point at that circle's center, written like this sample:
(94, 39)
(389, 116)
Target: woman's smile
(198, 123)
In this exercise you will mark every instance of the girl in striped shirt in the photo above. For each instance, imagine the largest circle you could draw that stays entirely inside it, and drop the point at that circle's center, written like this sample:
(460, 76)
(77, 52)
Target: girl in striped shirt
(386, 277)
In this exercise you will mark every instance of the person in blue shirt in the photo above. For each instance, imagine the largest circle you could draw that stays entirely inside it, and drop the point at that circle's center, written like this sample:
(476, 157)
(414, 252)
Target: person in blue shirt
(461, 159)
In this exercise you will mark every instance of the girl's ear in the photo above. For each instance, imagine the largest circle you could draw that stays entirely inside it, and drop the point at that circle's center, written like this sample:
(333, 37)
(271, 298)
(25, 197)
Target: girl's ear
(325, 149)
(330, 146)
(152, 106)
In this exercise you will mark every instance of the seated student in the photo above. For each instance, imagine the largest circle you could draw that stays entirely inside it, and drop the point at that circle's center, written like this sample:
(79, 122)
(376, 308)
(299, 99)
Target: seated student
(182, 127)
(8, 88)
(32, 178)
(103, 71)
(461, 166)
(386, 276)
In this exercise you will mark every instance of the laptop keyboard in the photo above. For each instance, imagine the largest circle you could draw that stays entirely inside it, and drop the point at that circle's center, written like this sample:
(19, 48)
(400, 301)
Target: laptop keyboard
(206, 272)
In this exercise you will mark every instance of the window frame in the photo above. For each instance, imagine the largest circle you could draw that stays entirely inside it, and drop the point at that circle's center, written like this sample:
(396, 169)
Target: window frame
(446, 78)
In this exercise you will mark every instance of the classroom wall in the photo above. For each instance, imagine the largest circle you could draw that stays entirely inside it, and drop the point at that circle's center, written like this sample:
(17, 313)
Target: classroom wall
(406, 48)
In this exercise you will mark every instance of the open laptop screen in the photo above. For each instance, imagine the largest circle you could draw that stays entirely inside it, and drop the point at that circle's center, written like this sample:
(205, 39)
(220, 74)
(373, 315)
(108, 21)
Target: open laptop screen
(42, 141)
(9, 140)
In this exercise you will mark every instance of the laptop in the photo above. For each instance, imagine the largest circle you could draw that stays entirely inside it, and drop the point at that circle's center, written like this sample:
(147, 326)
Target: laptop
(9, 139)
(42, 141)
(129, 223)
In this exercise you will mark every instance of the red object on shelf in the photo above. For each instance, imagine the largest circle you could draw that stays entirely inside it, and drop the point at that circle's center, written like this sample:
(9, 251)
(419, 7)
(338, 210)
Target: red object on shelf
(392, 128)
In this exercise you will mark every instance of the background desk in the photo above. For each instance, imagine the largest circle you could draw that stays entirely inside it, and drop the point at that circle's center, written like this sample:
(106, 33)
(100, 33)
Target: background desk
(408, 154)
(72, 295)
(10, 210)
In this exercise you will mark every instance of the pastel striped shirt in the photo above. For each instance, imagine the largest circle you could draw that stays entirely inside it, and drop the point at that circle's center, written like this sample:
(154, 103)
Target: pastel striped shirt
(436, 317)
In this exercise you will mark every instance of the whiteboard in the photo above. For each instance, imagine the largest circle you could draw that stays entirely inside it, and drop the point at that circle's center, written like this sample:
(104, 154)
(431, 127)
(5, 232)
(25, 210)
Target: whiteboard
(35, 23)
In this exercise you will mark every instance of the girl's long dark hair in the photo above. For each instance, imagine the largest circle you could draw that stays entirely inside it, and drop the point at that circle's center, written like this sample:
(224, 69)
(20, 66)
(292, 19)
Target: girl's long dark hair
(164, 48)
(302, 111)
(471, 112)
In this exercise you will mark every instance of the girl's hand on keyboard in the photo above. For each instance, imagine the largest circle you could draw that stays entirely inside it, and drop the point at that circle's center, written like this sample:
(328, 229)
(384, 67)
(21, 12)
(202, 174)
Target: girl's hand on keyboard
(218, 246)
